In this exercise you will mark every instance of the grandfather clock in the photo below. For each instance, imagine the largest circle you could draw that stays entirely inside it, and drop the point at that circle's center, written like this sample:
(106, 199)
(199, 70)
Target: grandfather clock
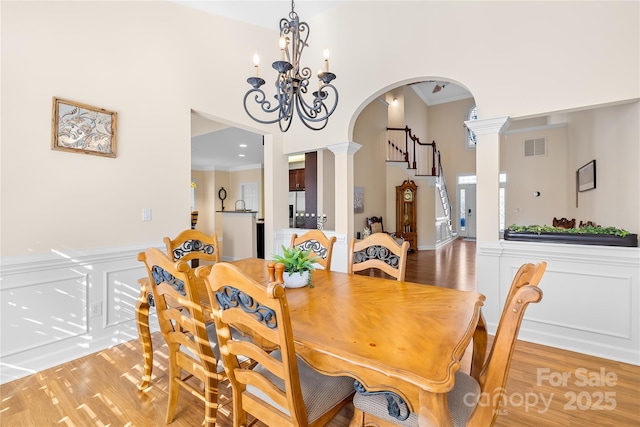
(406, 213)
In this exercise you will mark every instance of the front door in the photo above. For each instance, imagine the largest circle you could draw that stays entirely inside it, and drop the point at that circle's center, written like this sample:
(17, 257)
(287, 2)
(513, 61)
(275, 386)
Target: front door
(467, 210)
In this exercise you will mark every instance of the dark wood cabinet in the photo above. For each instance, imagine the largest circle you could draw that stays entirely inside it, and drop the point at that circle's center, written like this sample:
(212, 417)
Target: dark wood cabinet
(296, 180)
(406, 213)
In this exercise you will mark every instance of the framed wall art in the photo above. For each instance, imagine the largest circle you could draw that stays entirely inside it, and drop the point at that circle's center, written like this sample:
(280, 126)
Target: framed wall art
(358, 199)
(586, 177)
(81, 128)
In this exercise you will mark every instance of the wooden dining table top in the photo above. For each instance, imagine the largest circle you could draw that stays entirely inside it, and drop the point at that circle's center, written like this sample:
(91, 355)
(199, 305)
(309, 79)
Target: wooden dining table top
(393, 336)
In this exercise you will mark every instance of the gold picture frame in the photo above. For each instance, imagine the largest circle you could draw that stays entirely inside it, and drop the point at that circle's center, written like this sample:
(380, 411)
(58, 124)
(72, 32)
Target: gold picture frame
(82, 128)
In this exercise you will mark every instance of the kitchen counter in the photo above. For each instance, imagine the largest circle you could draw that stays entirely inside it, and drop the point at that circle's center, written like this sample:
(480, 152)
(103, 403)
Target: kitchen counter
(239, 235)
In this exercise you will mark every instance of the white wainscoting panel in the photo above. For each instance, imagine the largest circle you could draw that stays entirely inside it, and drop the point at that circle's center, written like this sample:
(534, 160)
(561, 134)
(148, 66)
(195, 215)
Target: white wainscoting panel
(45, 303)
(591, 296)
(122, 290)
(39, 313)
(570, 303)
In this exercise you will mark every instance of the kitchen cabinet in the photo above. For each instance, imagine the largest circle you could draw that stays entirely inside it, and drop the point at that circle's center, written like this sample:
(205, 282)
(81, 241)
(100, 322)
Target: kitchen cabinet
(296, 180)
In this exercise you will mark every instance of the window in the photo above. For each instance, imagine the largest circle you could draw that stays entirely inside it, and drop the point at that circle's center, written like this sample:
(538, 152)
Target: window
(463, 210)
(471, 179)
(472, 114)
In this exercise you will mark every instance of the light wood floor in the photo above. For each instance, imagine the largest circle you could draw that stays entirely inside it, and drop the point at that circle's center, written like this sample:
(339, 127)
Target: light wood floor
(100, 389)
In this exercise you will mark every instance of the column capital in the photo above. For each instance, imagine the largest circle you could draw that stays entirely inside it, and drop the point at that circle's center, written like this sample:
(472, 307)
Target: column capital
(488, 126)
(344, 147)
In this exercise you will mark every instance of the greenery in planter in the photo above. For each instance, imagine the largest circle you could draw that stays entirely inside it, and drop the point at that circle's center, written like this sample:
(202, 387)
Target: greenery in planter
(296, 260)
(589, 229)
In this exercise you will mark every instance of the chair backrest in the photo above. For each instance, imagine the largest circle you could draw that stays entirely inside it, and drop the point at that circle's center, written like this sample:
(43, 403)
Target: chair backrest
(193, 245)
(527, 274)
(375, 224)
(248, 305)
(493, 376)
(180, 314)
(379, 251)
(319, 244)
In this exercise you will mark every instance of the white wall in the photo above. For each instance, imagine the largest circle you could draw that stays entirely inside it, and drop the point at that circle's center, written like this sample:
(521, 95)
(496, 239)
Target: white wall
(610, 136)
(154, 62)
(162, 60)
(545, 174)
(369, 164)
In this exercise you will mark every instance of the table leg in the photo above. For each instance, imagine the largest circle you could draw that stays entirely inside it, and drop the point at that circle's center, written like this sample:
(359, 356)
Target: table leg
(479, 347)
(434, 410)
(144, 333)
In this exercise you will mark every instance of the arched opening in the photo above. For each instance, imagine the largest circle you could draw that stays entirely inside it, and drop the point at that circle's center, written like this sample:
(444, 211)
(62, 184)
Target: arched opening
(433, 111)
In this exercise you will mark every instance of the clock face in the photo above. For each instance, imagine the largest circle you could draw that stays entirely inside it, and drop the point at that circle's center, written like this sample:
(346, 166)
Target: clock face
(408, 195)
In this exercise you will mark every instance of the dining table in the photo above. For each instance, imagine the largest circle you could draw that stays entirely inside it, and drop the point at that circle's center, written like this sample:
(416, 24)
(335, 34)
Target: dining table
(399, 338)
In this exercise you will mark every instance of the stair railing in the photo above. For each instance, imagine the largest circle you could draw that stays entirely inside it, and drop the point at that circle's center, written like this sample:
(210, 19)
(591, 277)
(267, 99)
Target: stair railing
(402, 146)
(444, 194)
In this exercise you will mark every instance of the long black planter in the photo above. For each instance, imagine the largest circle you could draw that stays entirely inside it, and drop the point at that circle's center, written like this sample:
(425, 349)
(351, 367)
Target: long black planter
(630, 240)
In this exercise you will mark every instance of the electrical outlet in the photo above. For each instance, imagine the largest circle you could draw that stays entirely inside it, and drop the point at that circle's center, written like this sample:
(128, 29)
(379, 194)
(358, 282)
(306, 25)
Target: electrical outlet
(96, 309)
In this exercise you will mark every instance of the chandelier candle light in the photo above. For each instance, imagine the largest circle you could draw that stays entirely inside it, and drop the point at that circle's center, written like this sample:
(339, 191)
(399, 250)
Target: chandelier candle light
(293, 82)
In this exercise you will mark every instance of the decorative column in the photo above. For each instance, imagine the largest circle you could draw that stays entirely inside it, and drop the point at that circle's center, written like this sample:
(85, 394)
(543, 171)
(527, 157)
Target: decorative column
(488, 215)
(487, 133)
(343, 153)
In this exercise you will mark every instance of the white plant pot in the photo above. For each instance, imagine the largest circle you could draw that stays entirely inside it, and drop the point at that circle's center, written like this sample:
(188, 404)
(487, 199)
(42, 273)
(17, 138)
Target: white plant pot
(295, 280)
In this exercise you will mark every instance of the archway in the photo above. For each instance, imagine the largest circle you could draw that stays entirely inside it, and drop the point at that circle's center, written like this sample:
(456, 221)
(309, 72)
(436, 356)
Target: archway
(435, 111)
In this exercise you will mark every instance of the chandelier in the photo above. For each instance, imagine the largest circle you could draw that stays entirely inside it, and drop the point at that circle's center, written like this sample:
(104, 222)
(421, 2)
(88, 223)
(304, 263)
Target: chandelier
(292, 83)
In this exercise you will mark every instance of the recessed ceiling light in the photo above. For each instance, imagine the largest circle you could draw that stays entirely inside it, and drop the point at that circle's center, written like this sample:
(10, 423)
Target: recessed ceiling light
(243, 145)
(240, 155)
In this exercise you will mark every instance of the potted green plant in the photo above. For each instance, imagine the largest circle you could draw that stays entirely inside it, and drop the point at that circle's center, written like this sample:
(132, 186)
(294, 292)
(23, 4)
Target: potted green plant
(298, 265)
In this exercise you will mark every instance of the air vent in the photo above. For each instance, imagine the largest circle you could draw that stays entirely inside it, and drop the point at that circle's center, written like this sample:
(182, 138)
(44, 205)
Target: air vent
(535, 147)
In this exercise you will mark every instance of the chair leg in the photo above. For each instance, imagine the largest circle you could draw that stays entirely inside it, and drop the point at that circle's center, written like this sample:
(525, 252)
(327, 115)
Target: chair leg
(144, 334)
(239, 415)
(210, 402)
(174, 390)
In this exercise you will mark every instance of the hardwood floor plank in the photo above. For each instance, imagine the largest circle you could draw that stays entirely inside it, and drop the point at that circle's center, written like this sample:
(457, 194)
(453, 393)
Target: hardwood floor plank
(100, 389)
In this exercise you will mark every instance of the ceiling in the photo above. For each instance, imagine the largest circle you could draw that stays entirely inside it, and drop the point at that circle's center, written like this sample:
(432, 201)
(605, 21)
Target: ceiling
(448, 92)
(217, 146)
(263, 13)
(227, 149)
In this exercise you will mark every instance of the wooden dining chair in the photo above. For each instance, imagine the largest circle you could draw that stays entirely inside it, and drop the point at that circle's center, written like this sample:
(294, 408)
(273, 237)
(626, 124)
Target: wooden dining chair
(320, 245)
(281, 390)
(528, 273)
(192, 344)
(463, 399)
(194, 246)
(381, 251)
(191, 246)
(375, 224)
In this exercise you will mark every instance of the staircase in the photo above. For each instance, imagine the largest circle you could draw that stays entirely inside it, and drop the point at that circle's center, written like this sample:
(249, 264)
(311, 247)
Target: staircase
(421, 158)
